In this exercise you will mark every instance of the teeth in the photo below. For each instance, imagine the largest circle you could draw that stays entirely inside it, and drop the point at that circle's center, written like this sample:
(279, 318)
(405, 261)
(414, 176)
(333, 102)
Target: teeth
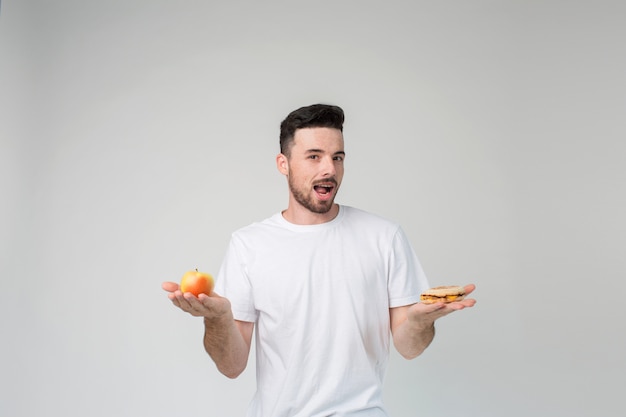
(328, 186)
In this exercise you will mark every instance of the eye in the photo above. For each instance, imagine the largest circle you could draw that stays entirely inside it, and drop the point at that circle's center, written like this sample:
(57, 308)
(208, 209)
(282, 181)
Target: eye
(314, 156)
(338, 158)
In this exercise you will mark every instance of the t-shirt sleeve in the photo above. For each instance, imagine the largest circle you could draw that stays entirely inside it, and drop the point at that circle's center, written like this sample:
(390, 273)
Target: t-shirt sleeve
(233, 283)
(407, 279)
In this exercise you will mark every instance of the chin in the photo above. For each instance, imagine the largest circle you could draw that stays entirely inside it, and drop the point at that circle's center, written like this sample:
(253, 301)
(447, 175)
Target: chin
(323, 208)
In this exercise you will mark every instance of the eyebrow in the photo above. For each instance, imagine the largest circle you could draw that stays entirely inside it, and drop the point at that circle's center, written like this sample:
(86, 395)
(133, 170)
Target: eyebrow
(322, 151)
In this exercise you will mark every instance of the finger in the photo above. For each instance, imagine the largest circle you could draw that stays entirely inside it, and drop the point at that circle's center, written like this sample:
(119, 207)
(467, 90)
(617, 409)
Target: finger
(469, 288)
(201, 305)
(179, 299)
(169, 286)
(173, 299)
(469, 302)
(460, 305)
(207, 301)
(202, 296)
(424, 308)
(193, 301)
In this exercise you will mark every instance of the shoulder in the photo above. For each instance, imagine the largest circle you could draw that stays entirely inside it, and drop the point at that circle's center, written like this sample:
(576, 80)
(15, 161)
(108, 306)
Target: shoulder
(260, 229)
(362, 217)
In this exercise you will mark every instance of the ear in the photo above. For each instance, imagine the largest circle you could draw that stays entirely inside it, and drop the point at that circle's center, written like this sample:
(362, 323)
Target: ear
(282, 163)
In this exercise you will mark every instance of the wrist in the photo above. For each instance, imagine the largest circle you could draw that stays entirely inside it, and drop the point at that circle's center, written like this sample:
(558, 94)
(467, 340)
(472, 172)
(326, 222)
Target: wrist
(217, 319)
(421, 325)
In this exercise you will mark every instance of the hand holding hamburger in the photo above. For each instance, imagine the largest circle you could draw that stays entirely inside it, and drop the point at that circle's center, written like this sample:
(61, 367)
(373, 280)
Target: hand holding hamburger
(439, 302)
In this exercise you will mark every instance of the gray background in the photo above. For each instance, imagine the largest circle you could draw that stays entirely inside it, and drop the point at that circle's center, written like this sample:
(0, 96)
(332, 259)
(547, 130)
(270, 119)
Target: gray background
(136, 135)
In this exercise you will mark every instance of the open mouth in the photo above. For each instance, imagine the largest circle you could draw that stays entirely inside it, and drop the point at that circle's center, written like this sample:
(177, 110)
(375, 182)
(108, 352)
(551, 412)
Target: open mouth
(324, 190)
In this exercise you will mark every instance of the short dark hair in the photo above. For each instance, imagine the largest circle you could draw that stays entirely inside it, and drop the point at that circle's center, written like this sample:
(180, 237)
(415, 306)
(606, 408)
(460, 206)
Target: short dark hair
(316, 115)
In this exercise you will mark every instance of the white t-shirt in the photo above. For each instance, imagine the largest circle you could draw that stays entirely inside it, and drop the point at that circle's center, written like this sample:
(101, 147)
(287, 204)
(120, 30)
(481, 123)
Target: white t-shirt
(320, 297)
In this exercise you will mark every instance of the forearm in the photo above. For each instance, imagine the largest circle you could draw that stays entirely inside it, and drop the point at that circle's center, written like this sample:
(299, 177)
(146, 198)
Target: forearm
(225, 344)
(411, 339)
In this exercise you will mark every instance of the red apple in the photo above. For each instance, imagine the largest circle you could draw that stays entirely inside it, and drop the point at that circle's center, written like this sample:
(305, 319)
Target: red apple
(197, 283)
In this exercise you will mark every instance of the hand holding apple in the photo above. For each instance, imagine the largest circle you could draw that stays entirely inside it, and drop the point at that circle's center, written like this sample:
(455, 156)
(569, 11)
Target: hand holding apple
(210, 306)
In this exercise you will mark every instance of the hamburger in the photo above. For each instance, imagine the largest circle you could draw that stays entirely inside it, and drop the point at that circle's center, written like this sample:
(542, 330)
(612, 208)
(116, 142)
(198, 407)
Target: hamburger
(443, 294)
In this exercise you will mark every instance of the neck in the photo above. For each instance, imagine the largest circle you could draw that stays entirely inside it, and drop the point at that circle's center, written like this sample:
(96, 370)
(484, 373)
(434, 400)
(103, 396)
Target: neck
(297, 214)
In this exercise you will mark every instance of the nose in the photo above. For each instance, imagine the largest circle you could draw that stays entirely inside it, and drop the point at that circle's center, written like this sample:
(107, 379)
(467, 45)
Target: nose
(328, 167)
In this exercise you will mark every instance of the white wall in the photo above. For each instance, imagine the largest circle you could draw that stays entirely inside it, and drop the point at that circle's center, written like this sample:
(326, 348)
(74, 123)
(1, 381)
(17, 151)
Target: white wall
(136, 135)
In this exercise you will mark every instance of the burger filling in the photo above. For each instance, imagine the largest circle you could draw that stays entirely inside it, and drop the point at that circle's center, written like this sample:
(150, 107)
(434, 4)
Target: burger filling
(445, 298)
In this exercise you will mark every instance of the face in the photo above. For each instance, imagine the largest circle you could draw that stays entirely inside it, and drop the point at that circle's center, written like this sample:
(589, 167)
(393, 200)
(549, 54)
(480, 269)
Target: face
(314, 168)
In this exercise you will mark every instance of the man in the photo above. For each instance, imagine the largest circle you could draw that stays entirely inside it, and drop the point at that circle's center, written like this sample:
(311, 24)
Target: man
(324, 284)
